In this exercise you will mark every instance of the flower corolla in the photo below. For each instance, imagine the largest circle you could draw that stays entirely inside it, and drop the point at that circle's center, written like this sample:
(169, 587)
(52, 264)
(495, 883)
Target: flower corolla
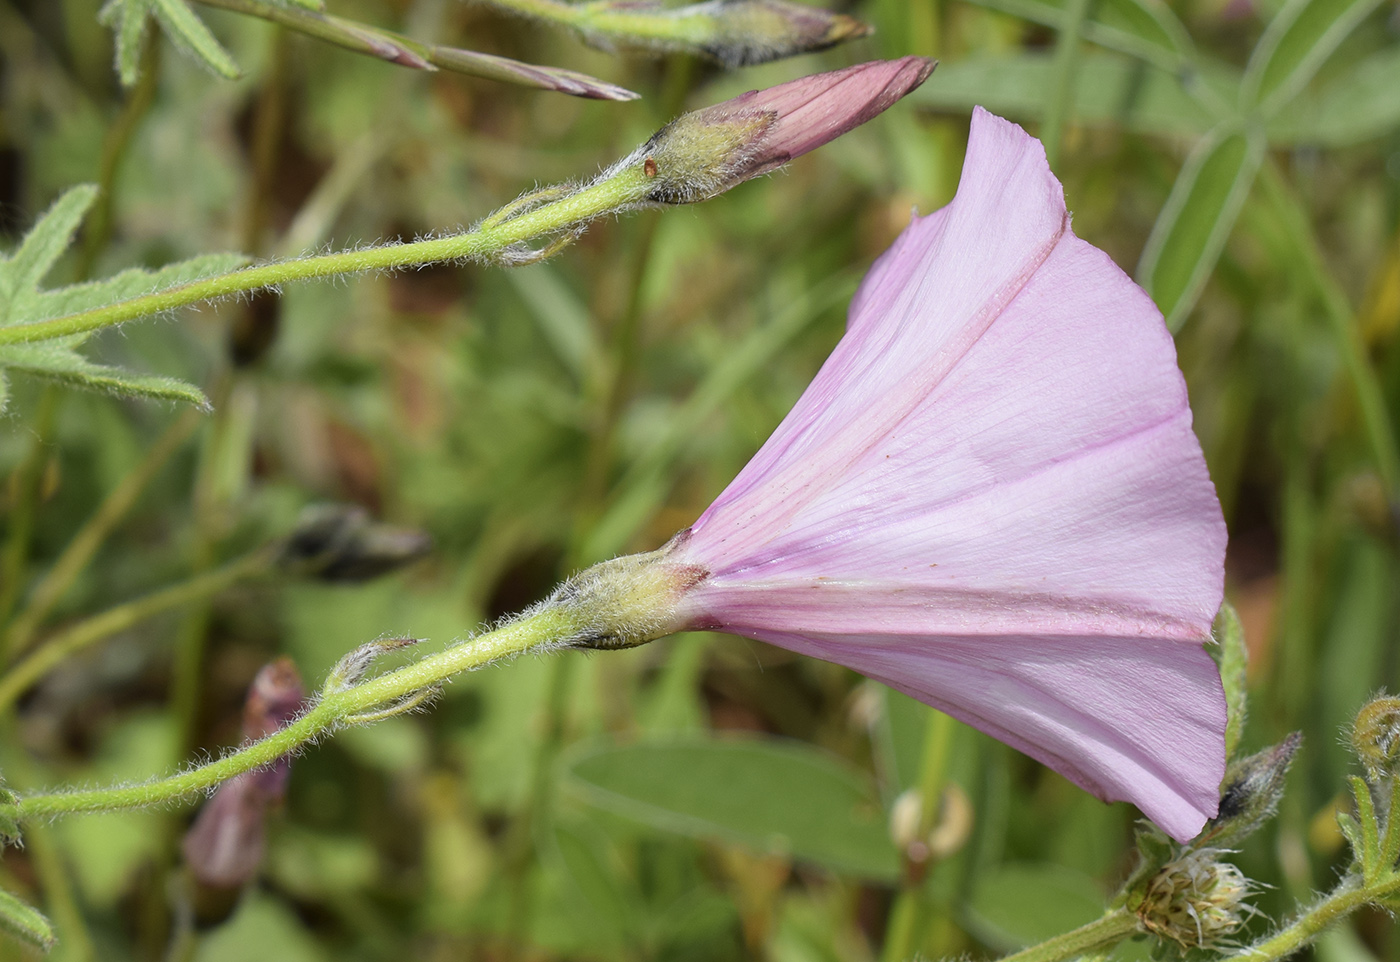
(991, 498)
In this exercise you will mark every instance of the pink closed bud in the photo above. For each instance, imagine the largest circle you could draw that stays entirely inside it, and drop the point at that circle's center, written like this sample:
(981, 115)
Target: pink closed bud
(224, 846)
(708, 151)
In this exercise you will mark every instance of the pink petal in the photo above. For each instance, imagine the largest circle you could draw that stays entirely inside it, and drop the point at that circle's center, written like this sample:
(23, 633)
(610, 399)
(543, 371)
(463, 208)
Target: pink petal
(991, 497)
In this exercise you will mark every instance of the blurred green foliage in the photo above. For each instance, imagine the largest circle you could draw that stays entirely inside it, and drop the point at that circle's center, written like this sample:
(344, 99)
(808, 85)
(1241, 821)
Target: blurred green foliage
(628, 805)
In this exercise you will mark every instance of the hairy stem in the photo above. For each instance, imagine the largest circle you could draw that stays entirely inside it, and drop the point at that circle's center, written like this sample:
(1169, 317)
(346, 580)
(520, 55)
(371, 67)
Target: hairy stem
(1112, 928)
(333, 710)
(625, 188)
(1345, 899)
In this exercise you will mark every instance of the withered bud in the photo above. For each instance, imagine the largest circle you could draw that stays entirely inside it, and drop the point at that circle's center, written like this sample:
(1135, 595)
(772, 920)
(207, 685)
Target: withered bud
(1195, 901)
(224, 846)
(748, 32)
(1250, 793)
(339, 542)
(1376, 736)
(354, 663)
(736, 33)
(705, 152)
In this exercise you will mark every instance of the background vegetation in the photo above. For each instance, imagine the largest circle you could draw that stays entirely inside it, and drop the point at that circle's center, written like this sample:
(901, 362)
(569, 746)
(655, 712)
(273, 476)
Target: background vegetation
(1242, 157)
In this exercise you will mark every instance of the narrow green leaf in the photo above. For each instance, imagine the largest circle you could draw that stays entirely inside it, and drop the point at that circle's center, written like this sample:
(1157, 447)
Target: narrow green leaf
(1361, 105)
(58, 361)
(1234, 660)
(1112, 91)
(43, 245)
(190, 34)
(1296, 44)
(1197, 219)
(1390, 841)
(131, 27)
(563, 318)
(1369, 855)
(1147, 29)
(22, 921)
(773, 795)
(1352, 832)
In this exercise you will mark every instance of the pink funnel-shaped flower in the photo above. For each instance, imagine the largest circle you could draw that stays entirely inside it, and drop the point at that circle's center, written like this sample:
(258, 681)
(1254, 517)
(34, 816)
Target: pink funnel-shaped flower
(991, 498)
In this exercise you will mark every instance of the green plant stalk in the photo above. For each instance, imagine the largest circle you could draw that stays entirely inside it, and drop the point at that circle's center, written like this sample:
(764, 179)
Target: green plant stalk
(1060, 96)
(94, 532)
(1380, 433)
(624, 189)
(1110, 929)
(906, 919)
(114, 149)
(59, 896)
(25, 482)
(334, 709)
(92, 630)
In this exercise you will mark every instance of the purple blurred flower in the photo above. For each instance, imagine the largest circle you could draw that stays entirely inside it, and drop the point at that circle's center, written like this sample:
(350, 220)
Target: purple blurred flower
(224, 846)
(991, 498)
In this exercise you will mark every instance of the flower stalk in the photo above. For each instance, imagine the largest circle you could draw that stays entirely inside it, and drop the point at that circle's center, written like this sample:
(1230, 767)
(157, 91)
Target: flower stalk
(334, 709)
(694, 158)
(396, 48)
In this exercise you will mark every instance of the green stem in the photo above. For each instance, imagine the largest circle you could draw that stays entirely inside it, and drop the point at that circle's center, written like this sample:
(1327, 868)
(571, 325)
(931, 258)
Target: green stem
(625, 188)
(93, 533)
(330, 712)
(114, 148)
(1112, 928)
(92, 630)
(1380, 433)
(25, 482)
(1345, 899)
(906, 919)
(1060, 96)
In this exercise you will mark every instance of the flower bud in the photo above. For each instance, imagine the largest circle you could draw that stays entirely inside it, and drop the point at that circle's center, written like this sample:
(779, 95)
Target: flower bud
(747, 32)
(1250, 793)
(1195, 901)
(705, 152)
(627, 601)
(337, 542)
(224, 846)
(1376, 736)
(736, 33)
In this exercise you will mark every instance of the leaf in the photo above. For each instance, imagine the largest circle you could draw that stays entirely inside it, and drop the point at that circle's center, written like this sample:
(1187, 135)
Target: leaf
(1197, 219)
(134, 282)
(1234, 660)
(772, 795)
(1297, 42)
(22, 921)
(21, 301)
(57, 359)
(1147, 29)
(1016, 905)
(1361, 105)
(190, 34)
(130, 30)
(21, 272)
(1111, 91)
